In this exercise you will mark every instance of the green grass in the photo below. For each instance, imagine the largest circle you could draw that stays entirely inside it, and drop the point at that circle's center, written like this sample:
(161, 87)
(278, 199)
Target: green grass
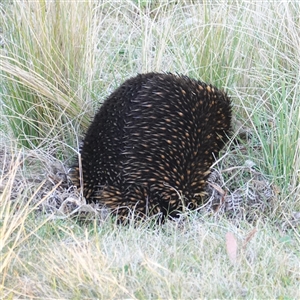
(59, 61)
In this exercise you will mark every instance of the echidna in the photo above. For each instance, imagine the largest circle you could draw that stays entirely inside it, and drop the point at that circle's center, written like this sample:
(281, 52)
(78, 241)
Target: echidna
(151, 145)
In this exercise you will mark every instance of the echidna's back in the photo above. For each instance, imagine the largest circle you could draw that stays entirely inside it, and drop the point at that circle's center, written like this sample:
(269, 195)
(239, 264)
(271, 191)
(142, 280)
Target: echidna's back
(152, 141)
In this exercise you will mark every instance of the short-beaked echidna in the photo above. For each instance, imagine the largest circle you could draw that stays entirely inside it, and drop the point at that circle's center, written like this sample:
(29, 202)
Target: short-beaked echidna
(151, 145)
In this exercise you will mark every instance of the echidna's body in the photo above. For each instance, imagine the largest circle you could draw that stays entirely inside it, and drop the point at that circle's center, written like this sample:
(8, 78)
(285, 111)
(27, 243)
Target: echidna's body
(151, 144)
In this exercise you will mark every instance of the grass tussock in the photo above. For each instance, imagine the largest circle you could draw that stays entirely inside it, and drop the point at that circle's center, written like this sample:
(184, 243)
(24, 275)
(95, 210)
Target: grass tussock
(58, 61)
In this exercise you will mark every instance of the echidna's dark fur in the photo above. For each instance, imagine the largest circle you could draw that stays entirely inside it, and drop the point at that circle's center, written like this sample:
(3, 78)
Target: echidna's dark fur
(151, 144)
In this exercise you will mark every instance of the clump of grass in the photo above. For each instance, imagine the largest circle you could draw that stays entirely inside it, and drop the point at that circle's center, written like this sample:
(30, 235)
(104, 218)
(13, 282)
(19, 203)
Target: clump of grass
(271, 106)
(46, 68)
(14, 213)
